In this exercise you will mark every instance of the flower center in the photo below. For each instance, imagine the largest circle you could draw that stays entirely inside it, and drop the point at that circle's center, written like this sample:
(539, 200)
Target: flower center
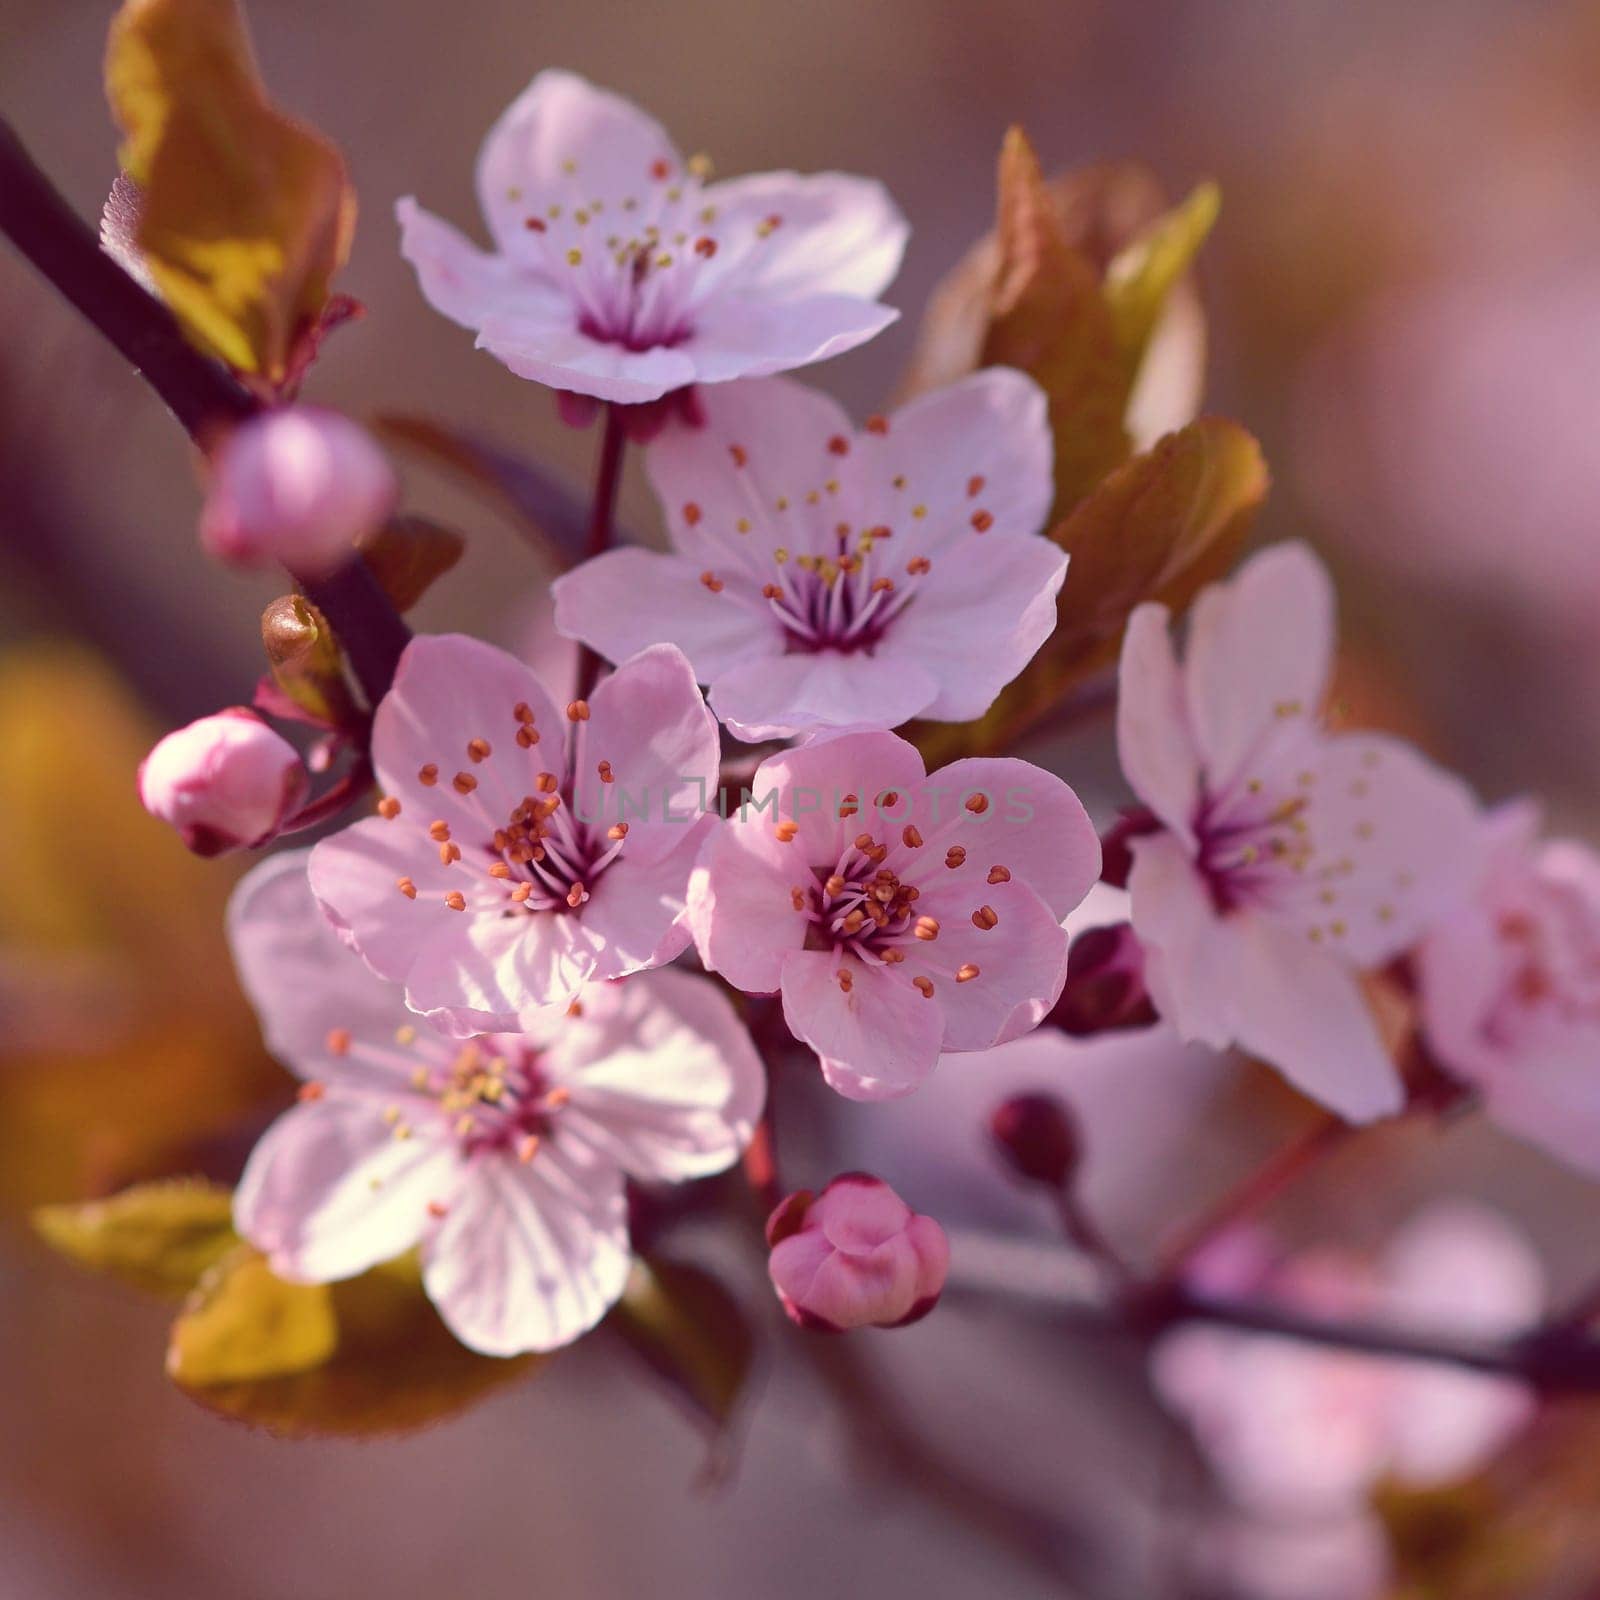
(1250, 851)
(495, 1096)
(844, 601)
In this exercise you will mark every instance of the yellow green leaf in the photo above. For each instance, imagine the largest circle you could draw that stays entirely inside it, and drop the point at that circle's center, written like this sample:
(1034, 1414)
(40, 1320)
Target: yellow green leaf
(159, 1236)
(1142, 276)
(245, 215)
(242, 1324)
(1048, 317)
(365, 1357)
(1159, 528)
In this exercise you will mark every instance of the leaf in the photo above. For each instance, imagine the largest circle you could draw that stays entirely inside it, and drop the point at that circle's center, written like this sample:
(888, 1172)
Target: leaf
(160, 1237)
(1048, 317)
(306, 663)
(242, 1324)
(692, 1333)
(408, 554)
(1159, 528)
(245, 216)
(539, 502)
(1141, 278)
(365, 1357)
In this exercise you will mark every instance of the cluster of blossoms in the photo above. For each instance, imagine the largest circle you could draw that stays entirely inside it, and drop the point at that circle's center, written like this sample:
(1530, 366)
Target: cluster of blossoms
(475, 983)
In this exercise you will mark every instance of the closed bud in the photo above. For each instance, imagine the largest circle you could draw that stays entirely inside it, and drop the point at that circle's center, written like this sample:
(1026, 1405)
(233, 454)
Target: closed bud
(226, 782)
(306, 662)
(1038, 1138)
(855, 1256)
(1105, 988)
(296, 487)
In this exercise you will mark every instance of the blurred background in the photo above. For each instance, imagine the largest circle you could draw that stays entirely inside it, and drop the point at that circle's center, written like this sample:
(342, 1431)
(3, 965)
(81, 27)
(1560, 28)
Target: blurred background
(1404, 306)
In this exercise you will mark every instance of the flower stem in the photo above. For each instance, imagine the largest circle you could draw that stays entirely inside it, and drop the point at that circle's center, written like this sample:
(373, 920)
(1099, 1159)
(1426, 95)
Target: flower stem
(602, 517)
(202, 395)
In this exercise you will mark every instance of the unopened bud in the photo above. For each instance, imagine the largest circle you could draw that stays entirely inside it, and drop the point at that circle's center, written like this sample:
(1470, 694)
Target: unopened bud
(1038, 1138)
(297, 487)
(306, 662)
(1105, 987)
(226, 782)
(855, 1256)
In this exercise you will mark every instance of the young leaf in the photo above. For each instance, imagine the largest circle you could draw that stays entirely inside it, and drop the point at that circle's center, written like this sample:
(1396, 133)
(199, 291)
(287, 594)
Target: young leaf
(241, 1324)
(365, 1357)
(160, 1237)
(306, 664)
(408, 554)
(244, 215)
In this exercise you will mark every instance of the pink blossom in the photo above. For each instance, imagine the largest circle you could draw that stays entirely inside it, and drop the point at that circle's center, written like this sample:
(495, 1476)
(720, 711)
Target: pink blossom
(296, 487)
(618, 271)
(226, 782)
(521, 851)
(824, 577)
(1285, 860)
(899, 913)
(1511, 988)
(1295, 1430)
(855, 1256)
(502, 1156)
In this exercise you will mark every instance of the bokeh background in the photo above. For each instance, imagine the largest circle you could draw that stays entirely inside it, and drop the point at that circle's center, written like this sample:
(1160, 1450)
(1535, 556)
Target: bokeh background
(1404, 306)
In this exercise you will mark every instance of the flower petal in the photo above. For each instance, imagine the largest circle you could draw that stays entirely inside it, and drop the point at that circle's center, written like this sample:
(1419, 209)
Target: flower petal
(665, 1081)
(330, 1190)
(1154, 741)
(790, 694)
(877, 1040)
(741, 911)
(468, 286)
(556, 352)
(1260, 651)
(530, 1256)
(626, 600)
(748, 336)
(634, 916)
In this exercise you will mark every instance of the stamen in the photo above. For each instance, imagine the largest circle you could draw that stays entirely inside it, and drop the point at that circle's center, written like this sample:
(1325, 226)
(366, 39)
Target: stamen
(428, 776)
(463, 783)
(982, 521)
(966, 973)
(999, 875)
(338, 1041)
(926, 927)
(389, 807)
(406, 887)
(478, 750)
(578, 711)
(911, 837)
(456, 900)
(311, 1091)
(926, 987)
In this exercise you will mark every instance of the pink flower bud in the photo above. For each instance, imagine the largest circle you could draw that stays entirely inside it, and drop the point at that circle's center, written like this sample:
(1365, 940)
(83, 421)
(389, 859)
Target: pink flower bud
(1037, 1138)
(855, 1256)
(225, 782)
(296, 486)
(1105, 987)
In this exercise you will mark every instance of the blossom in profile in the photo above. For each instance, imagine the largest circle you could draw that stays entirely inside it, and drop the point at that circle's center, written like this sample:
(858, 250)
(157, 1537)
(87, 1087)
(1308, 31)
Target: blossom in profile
(822, 576)
(1297, 1431)
(521, 850)
(620, 271)
(296, 487)
(226, 782)
(502, 1156)
(1281, 860)
(855, 1256)
(900, 913)
(1511, 988)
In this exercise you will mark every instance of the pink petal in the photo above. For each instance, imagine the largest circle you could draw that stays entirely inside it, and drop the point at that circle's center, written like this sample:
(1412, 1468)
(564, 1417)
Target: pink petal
(664, 1079)
(627, 600)
(554, 351)
(1260, 651)
(857, 1213)
(634, 916)
(740, 909)
(330, 1191)
(1189, 949)
(1020, 963)
(747, 336)
(468, 286)
(790, 694)
(1154, 741)
(529, 1256)
(1550, 1095)
(1301, 1010)
(978, 619)
(877, 1041)
(836, 234)
(649, 722)
(558, 119)
(1033, 826)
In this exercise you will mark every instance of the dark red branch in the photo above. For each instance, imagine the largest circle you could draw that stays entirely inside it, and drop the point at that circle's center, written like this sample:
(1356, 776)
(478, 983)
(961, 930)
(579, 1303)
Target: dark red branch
(607, 480)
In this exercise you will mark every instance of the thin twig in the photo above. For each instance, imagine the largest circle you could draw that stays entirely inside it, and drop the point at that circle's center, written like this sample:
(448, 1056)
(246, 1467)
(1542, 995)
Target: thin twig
(607, 478)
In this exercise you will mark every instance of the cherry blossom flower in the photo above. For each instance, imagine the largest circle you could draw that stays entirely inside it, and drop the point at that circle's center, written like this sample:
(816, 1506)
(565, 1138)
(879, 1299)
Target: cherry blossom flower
(899, 913)
(504, 1155)
(297, 487)
(226, 782)
(1511, 988)
(1285, 860)
(619, 271)
(519, 850)
(855, 1256)
(1299, 1431)
(823, 577)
